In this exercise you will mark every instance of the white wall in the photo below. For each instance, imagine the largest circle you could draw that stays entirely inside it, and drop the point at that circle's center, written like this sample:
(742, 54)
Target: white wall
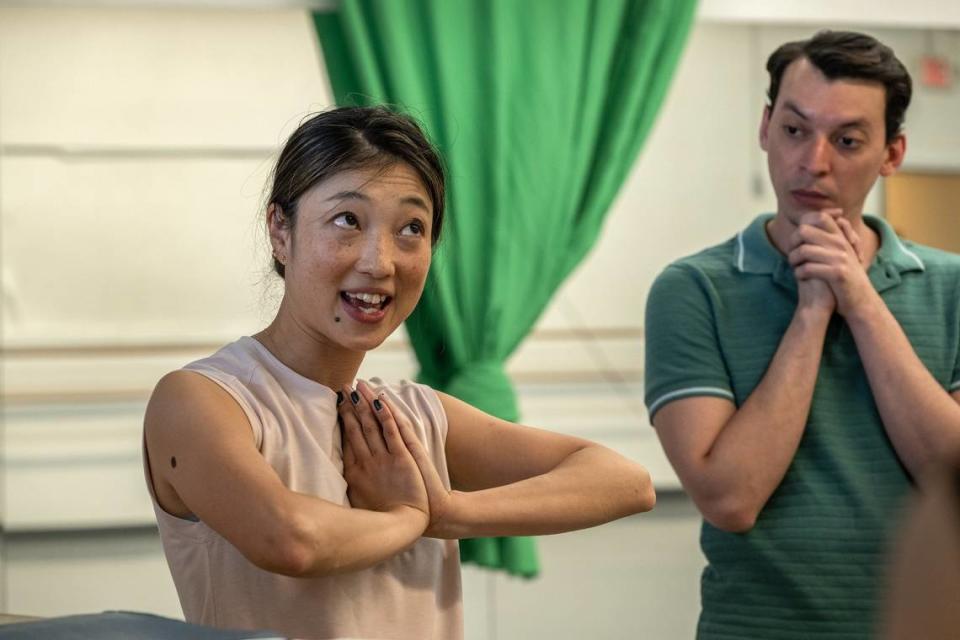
(135, 148)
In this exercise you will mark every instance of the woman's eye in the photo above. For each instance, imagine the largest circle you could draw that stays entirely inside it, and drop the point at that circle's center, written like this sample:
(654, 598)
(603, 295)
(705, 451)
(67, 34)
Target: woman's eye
(415, 228)
(346, 220)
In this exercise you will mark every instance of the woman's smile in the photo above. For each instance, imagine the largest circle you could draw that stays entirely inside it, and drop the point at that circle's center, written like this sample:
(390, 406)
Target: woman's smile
(365, 306)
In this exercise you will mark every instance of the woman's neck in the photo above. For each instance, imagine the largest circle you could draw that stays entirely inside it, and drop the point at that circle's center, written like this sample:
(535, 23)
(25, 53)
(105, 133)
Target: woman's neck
(311, 355)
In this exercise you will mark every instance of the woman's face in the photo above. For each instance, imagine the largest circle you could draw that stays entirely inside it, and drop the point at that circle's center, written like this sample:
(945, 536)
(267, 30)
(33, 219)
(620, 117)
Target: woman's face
(358, 254)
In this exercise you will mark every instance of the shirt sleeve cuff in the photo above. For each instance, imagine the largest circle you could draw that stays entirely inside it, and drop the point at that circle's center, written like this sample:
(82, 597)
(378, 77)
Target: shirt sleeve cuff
(689, 392)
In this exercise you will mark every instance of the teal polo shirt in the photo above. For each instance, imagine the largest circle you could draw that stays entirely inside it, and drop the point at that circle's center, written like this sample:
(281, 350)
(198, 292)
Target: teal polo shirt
(812, 565)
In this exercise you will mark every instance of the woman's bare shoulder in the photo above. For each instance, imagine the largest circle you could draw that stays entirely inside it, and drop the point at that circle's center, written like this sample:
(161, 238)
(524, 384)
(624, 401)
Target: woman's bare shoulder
(185, 402)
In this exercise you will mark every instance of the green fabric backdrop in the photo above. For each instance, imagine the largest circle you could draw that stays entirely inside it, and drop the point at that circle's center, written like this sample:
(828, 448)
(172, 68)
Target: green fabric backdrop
(540, 108)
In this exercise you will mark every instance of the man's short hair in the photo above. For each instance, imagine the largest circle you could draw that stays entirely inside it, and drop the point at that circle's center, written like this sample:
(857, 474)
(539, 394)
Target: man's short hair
(846, 54)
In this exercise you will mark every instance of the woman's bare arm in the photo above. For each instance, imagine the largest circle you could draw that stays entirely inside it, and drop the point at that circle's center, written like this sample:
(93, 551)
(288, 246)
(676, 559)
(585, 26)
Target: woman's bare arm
(203, 461)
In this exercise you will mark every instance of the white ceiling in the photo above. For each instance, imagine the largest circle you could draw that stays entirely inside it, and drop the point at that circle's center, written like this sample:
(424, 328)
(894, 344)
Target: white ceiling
(925, 14)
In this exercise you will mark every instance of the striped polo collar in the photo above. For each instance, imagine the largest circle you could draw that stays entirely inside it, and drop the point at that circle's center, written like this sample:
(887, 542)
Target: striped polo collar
(755, 253)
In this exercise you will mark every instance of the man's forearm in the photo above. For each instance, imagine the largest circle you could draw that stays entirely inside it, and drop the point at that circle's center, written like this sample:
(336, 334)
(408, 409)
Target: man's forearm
(757, 444)
(921, 418)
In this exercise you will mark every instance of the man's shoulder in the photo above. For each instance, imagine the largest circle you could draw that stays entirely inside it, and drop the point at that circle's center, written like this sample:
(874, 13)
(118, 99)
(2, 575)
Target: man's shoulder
(715, 258)
(712, 264)
(934, 259)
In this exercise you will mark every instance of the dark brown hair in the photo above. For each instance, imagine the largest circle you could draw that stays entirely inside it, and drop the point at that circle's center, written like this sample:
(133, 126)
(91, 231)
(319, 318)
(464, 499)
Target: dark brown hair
(846, 54)
(348, 138)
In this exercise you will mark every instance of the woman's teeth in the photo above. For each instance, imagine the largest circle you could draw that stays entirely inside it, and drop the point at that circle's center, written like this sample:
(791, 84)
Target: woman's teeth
(373, 298)
(366, 302)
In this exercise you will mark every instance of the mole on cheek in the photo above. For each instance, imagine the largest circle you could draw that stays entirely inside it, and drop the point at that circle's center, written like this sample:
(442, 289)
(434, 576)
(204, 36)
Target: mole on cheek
(173, 462)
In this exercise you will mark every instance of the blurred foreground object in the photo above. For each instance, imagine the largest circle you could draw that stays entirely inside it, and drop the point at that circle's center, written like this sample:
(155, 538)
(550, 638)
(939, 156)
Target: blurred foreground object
(923, 599)
(121, 625)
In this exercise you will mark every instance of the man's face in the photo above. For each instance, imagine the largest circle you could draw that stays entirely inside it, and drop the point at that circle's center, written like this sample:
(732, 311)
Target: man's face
(826, 142)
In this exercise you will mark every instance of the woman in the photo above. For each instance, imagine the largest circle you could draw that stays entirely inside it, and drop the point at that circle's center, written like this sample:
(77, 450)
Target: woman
(273, 516)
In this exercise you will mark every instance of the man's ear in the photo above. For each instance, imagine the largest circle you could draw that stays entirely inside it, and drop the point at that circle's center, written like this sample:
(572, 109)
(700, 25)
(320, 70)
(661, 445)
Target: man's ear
(895, 151)
(764, 128)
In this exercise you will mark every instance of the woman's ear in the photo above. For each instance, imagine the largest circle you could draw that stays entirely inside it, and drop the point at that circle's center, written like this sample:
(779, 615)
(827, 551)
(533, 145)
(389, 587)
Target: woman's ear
(278, 226)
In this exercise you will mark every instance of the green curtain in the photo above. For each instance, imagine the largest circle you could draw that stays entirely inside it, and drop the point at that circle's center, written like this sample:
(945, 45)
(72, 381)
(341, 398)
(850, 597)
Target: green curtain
(540, 108)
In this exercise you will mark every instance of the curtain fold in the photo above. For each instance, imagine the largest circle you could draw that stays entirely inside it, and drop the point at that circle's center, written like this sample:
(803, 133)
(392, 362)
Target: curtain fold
(540, 108)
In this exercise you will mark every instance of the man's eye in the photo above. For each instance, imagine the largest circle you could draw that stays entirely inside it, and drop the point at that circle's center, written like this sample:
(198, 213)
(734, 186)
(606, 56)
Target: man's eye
(346, 220)
(848, 142)
(792, 131)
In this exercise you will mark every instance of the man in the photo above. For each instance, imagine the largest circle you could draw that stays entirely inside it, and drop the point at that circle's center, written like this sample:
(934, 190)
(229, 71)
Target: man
(802, 373)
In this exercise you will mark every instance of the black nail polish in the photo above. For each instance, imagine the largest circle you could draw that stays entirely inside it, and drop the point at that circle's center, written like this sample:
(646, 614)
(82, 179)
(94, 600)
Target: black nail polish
(377, 404)
(339, 397)
(355, 397)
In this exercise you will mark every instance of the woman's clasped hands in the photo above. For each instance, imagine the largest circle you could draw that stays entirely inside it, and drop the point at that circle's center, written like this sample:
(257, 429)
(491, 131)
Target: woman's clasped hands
(386, 466)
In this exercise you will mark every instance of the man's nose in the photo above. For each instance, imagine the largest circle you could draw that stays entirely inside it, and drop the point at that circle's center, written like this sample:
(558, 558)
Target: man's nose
(818, 156)
(376, 256)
